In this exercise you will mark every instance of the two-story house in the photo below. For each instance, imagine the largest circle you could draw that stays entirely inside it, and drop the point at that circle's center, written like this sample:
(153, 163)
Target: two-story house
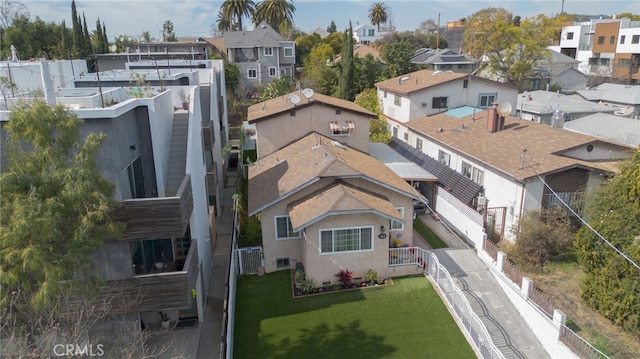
(323, 200)
(367, 34)
(443, 60)
(261, 55)
(520, 166)
(426, 92)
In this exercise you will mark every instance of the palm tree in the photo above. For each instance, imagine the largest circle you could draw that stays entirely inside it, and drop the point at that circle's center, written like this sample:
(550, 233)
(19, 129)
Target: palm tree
(274, 13)
(224, 24)
(237, 9)
(378, 14)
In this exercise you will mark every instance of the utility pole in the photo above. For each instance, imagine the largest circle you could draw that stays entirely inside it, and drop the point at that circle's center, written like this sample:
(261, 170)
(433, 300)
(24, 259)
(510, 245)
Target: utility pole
(438, 33)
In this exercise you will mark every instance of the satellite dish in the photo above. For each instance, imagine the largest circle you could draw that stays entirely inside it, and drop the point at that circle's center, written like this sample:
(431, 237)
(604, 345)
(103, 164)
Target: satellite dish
(307, 92)
(294, 99)
(504, 108)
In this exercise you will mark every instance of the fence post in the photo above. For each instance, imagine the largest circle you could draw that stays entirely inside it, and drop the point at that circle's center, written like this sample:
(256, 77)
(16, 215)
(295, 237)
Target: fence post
(560, 320)
(527, 284)
(239, 253)
(502, 257)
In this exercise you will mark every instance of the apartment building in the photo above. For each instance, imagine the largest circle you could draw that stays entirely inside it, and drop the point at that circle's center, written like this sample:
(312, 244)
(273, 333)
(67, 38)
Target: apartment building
(606, 48)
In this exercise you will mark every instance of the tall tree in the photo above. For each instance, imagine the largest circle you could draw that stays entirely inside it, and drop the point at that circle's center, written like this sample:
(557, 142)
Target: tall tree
(612, 284)
(378, 128)
(346, 89)
(146, 36)
(378, 14)
(234, 9)
(11, 10)
(397, 58)
(318, 74)
(274, 13)
(54, 205)
(510, 51)
(167, 32)
(78, 42)
(105, 39)
(332, 27)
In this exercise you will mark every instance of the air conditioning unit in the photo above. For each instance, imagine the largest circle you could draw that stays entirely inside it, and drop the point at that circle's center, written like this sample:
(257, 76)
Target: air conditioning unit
(481, 203)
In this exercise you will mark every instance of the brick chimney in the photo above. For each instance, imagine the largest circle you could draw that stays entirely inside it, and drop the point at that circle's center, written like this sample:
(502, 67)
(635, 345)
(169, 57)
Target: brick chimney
(492, 118)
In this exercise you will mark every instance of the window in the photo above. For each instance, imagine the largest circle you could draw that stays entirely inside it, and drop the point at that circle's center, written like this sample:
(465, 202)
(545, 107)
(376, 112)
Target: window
(395, 132)
(600, 40)
(622, 38)
(406, 137)
(268, 51)
(444, 158)
(346, 240)
(282, 262)
(397, 225)
(487, 99)
(338, 111)
(284, 230)
(569, 35)
(478, 176)
(397, 100)
(419, 143)
(465, 84)
(384, 94)
(288, 52)
(272, 71)
(372, 32)
(439, 102)
(252, 73)
(343, 128)
(612, 40)
(466, 169)
(635, 39)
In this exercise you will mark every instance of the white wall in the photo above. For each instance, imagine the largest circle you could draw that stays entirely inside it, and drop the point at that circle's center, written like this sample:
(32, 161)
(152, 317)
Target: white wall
(628, 47)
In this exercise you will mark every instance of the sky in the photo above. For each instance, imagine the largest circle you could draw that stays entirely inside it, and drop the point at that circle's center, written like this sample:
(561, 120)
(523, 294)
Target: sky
(196, 18)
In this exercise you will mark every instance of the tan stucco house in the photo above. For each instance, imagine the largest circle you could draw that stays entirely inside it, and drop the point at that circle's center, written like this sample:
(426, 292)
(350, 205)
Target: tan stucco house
(323, 200)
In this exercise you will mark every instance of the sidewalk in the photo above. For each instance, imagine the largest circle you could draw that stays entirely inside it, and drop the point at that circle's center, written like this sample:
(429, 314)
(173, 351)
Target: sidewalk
(508, 330)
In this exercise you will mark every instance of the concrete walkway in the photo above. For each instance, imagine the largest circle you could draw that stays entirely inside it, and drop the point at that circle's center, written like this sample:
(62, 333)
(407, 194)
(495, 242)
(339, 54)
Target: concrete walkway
(508, 330)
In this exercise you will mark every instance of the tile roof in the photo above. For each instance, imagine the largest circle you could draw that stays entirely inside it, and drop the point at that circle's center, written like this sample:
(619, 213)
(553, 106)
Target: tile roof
(273, 107)
(309, 159)
(336, 199)
(502, 150)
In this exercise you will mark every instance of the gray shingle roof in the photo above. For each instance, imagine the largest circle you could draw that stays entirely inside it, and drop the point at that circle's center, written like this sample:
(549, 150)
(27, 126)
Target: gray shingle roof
(615, 128)
(262, 36)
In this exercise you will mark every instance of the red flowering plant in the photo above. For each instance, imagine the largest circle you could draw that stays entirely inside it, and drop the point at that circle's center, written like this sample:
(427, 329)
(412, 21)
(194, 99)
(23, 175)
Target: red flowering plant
(345, 277)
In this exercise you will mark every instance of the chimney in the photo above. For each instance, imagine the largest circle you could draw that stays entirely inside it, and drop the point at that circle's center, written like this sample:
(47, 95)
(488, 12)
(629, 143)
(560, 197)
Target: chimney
(492, 118)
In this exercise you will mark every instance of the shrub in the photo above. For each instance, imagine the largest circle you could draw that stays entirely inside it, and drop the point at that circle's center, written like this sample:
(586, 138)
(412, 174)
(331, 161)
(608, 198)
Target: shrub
(345, 277)
(371, 276)
(308, 286)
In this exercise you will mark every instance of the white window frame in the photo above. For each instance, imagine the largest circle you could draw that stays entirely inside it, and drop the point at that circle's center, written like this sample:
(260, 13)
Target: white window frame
(467, 169)
(268, 51)
(397, 225)
(249, 73)
(419, 143)
(295, 235)
(477, 176)
(397, 100)
(486, 96)
(290, 49)
(334, 244)
(444, 158)
(273, 71)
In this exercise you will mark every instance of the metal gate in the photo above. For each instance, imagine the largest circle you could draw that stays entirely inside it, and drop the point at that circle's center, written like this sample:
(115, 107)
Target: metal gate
(249, 259)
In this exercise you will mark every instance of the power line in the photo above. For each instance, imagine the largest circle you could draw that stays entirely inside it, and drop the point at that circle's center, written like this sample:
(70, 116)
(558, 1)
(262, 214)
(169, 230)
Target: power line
(587, 224)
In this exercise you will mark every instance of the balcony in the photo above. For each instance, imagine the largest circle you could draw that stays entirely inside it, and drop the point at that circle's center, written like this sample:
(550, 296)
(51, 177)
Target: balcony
(155, 218)
(165, 289)
(208, 136)
(212, 180)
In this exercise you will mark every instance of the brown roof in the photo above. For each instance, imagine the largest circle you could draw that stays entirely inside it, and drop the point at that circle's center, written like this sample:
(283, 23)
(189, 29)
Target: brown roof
(419, 80)
(502, 150)
(271, 108)
(309, 159)
(336, 199)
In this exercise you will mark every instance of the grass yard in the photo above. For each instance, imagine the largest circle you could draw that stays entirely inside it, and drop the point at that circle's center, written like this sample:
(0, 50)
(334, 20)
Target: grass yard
(405, 320)
(432, 239)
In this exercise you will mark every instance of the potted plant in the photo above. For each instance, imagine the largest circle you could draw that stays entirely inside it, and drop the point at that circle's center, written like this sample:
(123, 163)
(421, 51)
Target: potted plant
(185, 100)
(164, 320)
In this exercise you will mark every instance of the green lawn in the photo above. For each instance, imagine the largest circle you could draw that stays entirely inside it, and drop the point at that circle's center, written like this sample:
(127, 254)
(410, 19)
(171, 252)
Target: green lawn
(434, 241)
(405, 320)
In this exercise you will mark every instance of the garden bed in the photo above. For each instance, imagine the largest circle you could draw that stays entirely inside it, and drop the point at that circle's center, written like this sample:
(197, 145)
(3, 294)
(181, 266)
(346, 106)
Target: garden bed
(302, 286)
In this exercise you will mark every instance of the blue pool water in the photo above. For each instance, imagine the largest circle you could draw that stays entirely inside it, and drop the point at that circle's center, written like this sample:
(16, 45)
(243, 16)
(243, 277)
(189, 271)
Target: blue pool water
(463, 111)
